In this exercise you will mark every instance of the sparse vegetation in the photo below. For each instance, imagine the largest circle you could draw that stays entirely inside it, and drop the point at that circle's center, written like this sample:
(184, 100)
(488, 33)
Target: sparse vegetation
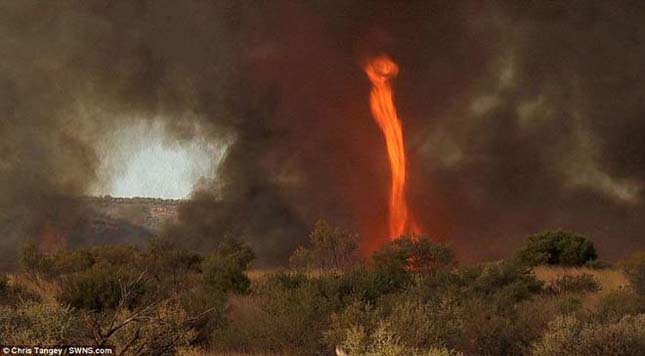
(567, 335)
(410, 298)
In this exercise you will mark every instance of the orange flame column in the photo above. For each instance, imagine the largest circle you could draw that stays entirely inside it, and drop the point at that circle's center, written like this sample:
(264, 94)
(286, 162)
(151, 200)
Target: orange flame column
(380, 71)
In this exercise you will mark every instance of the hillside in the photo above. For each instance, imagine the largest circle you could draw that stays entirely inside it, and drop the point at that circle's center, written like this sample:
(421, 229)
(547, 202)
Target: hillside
(122, 220)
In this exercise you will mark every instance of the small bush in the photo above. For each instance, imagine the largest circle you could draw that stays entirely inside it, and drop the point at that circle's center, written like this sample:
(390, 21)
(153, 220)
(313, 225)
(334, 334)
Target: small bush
(417, 323)
(496, 327)
(302, 258)
(615, 305)
(557, 248)
(382, 341)
(224, 274)
(238, 251)
(67, 262)
(11, 294)
(282, 280)
(4, 286)
(289, 317)
(206, 310)
(162, 331)
(34, 262)
(569, 336)
(101, 288)
(413, 253)
(598, 264)
(584, 283)
(505, 281)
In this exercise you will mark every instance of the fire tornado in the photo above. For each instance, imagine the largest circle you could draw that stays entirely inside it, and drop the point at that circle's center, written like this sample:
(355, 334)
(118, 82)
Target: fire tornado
(380, 71)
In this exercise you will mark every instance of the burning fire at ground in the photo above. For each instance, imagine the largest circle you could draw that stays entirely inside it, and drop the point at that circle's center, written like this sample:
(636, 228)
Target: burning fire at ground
(380, 71)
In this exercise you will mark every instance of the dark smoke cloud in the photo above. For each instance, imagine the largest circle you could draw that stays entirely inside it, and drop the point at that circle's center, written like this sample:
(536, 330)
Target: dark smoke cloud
(519, 116)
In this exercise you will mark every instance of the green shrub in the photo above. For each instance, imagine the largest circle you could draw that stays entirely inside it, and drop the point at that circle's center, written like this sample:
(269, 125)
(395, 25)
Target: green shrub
(557, 248)
(285, 280)
(73, 261)
(614, 305)
(384, 342)
(238, 251)
(117, 255)
(38, 324)
(289, 315)
(598, 264)
(356, 313)
(101, 288)
(635, 270)
(172, 268)
(5, 288)
(417, 322)
(584, 283)
(569, 336)
(413, 253)
(569, 304)
(12, 294)
(224, 274)
(161, 331)
(67, 262)
(496, 327)
(371, 284)
(34, 262)
(506, 282)
(206, 310)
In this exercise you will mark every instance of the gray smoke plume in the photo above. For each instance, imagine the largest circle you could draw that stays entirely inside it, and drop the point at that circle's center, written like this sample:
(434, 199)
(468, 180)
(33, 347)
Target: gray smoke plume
(517, 118)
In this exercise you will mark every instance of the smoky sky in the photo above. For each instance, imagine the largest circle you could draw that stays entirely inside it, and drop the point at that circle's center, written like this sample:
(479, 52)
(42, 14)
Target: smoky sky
(518, 116)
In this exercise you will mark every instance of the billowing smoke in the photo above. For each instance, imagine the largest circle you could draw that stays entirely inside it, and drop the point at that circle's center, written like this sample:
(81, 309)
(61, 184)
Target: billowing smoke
(517, 118)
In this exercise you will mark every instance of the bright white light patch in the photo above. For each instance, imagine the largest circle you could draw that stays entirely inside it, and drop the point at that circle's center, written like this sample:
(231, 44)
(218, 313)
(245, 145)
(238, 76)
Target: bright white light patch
(143, 162)
(163, 172)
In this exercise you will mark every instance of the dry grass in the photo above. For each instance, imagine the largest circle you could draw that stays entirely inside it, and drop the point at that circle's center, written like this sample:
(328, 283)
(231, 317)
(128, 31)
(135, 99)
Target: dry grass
(257, 274)
(609, 280)
(242, 308)
(216, 353)
(201, 352)
(45, 289)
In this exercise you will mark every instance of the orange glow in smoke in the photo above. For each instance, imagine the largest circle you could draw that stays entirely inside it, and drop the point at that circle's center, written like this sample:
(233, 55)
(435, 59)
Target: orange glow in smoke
(380, 71)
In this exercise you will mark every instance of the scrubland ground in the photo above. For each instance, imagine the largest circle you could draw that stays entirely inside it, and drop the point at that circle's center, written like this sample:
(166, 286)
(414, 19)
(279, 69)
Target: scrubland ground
(412, 298)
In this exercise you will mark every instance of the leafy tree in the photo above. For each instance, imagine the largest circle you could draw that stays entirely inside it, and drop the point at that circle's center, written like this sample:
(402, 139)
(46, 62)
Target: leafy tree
(557, 248)
(394, 265)
(330, 248)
